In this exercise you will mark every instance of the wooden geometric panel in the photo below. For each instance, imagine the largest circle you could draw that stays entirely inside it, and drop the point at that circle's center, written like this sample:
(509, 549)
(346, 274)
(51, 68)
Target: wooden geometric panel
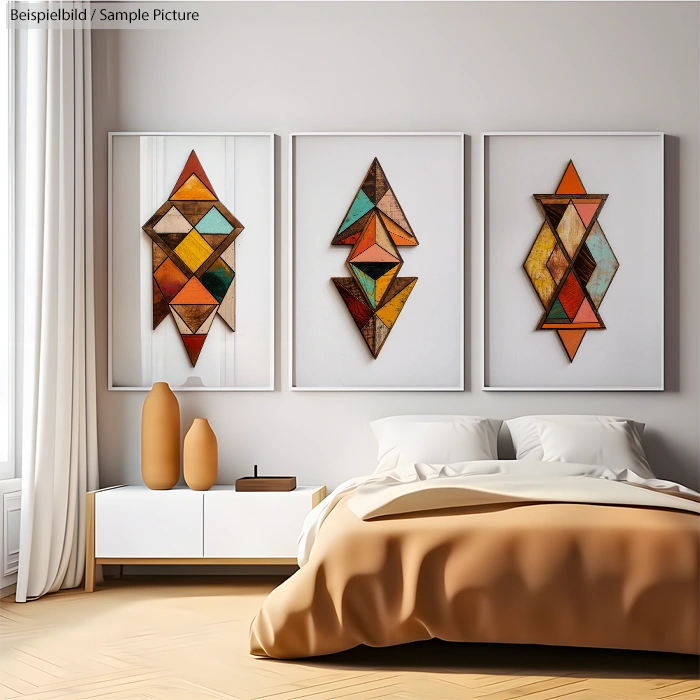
(571, 263)
(375, 224)
(193, 272)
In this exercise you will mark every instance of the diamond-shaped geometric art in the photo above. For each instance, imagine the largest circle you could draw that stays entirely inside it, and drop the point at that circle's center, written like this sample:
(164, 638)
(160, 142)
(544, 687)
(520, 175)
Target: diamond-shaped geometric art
(571, 263)
(193, 258)
(374, 226)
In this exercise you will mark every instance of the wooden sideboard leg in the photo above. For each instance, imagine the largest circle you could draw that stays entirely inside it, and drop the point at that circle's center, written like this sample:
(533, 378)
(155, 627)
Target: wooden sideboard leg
(90, 542)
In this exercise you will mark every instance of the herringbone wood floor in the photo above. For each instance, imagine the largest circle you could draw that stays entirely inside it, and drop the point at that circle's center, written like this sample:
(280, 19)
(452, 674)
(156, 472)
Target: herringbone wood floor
(187, 639)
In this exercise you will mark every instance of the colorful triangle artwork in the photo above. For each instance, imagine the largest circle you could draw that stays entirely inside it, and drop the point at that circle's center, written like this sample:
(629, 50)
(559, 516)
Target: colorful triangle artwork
(578, 264)
(193, 188)
(375, 194)
(375, 225)
(192, 167)
(570, 182)
(193, 235)
(571, 340)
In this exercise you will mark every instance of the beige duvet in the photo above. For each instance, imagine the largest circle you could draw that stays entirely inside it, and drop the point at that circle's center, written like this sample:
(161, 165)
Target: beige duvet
(537, 573)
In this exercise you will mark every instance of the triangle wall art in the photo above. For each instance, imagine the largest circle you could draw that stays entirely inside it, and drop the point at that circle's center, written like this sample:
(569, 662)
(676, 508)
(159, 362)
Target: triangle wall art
(191, 261)
(571, 264)
(375, 225)
(377, 291)
(194, 264)
(573, 275)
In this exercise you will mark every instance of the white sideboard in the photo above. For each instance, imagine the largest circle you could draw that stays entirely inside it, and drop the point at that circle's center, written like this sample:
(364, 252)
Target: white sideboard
(135, 525)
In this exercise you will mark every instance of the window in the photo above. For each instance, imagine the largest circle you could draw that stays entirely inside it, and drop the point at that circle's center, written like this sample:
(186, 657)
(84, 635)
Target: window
(7, 469)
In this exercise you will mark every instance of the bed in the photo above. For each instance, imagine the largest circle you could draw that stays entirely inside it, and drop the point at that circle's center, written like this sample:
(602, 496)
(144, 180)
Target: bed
(508, 551)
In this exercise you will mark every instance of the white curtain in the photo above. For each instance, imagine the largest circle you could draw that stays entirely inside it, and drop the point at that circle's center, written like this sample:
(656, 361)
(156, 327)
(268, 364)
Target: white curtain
(55, 288)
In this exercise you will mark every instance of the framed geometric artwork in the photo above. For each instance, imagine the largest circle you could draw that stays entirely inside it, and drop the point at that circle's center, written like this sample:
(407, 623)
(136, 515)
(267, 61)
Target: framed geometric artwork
(573, 261)
(191, 261)
(376, 262)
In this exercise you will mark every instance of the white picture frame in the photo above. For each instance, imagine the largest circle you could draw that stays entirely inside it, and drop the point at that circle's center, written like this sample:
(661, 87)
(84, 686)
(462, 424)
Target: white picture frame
(365, 146)
(258, 203)
(638, 155)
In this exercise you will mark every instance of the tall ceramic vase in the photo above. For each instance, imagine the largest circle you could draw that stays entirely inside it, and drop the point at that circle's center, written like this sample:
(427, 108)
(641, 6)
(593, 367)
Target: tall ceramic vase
(200, 456)
(160, 438)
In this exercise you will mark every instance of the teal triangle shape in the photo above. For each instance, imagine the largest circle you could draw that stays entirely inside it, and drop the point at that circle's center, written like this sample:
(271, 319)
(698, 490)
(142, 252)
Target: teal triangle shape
(557, 313)
(213, 222)
(359, 208)
(367, 283)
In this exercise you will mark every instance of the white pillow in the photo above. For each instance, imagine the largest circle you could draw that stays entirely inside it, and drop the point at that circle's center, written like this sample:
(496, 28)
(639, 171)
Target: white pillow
(526, 435)
(612, 444)
(434, 440)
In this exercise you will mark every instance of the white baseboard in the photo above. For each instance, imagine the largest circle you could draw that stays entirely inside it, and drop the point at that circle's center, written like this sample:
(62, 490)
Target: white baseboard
(8, 590)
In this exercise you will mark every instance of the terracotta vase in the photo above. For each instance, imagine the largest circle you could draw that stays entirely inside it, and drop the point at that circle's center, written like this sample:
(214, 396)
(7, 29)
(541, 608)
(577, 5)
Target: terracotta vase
(160, 438)
(200, 456)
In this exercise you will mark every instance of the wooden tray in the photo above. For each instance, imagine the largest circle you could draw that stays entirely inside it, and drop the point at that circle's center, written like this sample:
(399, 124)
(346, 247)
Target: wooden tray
(266, 483)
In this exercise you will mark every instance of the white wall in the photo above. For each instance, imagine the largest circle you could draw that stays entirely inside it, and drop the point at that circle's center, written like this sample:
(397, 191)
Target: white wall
(468, 67)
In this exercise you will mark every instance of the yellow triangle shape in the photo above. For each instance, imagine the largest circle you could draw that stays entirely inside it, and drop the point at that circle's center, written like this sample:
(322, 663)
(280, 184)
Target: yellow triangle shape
(383, 283)
(390, 311)
(193, 189)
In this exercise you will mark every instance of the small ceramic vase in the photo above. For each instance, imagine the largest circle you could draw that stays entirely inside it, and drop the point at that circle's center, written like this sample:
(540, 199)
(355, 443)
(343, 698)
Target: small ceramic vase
(160, 438)
(200, 456)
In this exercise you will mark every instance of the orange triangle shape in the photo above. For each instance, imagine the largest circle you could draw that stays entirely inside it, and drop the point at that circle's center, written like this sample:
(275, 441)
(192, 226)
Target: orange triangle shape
(193, 188)
(571, 183)
(571, 340)
(367, 237)
(398, 235)
(194, 292)
(192, 166)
